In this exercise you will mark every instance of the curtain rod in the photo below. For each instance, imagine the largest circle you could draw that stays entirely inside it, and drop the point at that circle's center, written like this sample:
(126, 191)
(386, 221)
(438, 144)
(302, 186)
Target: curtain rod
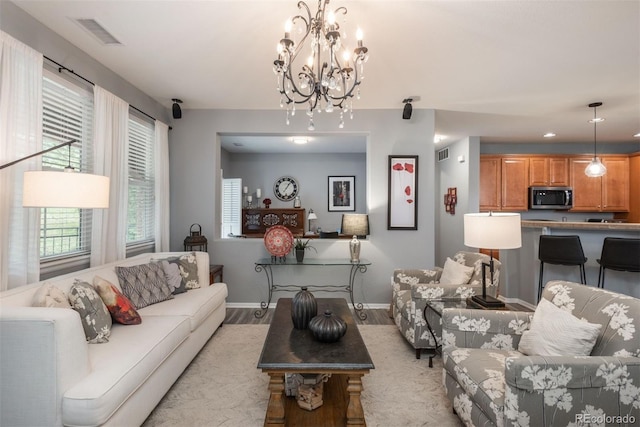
(63, 68)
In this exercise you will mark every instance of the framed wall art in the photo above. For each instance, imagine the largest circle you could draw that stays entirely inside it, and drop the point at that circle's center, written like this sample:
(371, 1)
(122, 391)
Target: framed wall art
(403, 193)
(342, 193)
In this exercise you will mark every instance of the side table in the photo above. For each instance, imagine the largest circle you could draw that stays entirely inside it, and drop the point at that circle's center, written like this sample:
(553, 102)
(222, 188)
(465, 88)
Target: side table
(215, 270)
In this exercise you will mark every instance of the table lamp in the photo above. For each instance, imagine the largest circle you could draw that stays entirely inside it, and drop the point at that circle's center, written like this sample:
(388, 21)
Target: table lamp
(312, 216)
(491, 231)
(355, 225)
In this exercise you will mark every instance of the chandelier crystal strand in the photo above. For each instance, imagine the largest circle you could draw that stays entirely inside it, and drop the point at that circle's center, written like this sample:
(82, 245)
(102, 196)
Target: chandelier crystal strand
(329, 76)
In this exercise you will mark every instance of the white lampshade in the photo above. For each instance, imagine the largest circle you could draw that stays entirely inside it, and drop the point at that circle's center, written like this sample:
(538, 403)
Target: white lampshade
(355, 224)
(312, 215)
(49, 189)
(499, 230)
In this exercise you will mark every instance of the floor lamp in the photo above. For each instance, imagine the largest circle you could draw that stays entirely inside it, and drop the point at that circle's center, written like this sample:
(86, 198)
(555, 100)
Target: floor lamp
(491, 231)
(63, 189)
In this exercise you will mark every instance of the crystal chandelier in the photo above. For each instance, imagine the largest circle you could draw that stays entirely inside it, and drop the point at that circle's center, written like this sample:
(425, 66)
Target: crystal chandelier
(595, 168)
(331, 74)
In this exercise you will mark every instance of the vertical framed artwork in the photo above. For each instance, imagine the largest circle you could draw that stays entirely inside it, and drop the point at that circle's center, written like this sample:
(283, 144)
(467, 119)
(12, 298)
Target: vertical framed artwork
(403, 193)
(342, 193)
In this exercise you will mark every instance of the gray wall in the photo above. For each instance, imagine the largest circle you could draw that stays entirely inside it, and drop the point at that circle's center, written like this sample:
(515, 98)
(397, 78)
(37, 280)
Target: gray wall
(462, 175)
(195, 192)
(28, 30)
(551, 148)
(310, 170)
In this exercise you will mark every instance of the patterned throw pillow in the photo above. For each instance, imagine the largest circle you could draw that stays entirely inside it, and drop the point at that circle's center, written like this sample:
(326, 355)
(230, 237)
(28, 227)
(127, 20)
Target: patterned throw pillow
(188, 269)
(121, 309)
(174, 278)
(48, 295)
(144, 284)
(96, 320)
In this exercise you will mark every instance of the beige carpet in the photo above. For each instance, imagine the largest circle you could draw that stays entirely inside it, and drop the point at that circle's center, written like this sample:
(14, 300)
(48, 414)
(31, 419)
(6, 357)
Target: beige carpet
(223, 387)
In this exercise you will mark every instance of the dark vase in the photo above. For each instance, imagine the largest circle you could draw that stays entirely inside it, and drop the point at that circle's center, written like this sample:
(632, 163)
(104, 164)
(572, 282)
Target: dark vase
(303, 309)
(327, 327)
(299, 255)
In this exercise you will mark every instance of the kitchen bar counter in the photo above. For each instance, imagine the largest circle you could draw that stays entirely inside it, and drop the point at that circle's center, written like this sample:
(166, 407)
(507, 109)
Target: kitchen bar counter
(521, 266)
(582, 225)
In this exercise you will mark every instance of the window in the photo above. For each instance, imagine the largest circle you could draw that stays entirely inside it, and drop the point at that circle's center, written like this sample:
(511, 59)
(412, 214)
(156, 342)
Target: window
(231, 206)
(141, 209)
(67, 114)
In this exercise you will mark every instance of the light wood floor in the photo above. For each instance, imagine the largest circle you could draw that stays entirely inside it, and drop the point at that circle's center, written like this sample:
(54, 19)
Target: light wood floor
(245, 316)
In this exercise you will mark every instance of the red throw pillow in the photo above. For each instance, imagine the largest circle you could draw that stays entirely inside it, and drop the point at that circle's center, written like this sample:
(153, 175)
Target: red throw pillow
(120, 307)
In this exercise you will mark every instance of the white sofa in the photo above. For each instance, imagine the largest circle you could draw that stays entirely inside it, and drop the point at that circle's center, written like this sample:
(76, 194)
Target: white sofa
(51, 376)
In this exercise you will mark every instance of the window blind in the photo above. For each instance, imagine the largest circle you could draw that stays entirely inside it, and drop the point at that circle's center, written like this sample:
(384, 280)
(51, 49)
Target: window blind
(141, 203)
(67, 114)
(231, 207)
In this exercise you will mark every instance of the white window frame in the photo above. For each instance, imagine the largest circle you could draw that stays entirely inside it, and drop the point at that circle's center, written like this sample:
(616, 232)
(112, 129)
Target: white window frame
(231, 209)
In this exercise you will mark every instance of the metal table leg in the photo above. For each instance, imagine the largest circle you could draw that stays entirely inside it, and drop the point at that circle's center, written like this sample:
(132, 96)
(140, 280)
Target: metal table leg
(264, 306)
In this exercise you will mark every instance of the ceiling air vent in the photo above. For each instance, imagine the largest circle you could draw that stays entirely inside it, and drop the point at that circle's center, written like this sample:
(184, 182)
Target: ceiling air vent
(98, 31)
(443, 154)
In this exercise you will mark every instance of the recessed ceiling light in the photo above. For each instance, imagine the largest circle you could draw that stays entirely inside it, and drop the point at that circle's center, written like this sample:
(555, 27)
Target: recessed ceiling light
(637, 135)
(300, 141)
(438, 138)
(549, 135)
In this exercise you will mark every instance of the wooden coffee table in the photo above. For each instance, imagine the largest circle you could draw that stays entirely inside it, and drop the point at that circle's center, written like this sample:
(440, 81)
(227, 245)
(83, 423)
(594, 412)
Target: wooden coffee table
(290, 350)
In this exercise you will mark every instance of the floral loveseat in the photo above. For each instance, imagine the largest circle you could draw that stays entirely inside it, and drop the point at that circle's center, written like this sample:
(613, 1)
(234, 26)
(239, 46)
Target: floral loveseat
(490, 382)
(412, 288)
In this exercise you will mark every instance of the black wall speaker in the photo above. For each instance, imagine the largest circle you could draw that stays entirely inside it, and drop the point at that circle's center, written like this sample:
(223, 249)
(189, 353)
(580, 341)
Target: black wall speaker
(406, 112)
(177, 111)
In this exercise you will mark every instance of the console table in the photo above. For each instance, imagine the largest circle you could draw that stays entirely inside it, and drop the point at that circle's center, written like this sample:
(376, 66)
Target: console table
(267, 265)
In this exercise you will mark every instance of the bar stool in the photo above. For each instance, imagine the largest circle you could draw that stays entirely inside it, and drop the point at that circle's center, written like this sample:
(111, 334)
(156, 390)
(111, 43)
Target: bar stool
(561, 250)
(620, 254)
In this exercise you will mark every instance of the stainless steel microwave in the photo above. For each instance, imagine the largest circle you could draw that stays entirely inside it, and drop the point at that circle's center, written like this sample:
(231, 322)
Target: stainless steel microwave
(550, 197)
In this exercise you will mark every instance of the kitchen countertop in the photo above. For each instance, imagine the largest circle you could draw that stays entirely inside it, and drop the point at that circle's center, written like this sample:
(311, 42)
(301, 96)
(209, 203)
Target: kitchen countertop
(582, 225)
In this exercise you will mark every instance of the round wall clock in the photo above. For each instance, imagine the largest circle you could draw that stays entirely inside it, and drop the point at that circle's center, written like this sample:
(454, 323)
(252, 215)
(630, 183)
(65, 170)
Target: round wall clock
(286, 188)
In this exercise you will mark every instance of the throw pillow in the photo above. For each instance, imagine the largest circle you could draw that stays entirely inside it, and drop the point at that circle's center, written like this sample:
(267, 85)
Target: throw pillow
(188, 269)
(556, 332)
(48, 295)
(121, 309)
(174, 278)
(455, 273)
(144, 284)
(96, 320)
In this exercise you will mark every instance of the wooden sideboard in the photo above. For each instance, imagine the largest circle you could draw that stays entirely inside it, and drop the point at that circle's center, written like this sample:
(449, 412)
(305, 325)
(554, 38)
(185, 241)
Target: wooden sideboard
(256, 221)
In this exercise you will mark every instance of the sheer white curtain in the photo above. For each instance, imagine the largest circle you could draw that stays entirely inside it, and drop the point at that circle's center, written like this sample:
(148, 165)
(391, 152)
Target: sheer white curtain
(111, 139)
(162, 186)
(20, 135)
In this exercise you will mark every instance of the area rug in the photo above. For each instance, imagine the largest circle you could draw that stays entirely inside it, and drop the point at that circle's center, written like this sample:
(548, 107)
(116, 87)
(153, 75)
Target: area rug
(223, 387)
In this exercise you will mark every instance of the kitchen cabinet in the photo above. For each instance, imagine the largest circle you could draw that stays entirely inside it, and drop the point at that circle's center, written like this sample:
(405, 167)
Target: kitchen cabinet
(549, 171)
(608, 193)
(504, 183)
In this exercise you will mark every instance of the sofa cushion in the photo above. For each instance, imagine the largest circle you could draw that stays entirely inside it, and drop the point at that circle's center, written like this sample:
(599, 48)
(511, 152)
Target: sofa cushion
(144, 284)
(121, 366)
(50, 296)
(455, 273)
(480, 373)
(96, 319)
(556, 332)
(197, 304)
(121, 309)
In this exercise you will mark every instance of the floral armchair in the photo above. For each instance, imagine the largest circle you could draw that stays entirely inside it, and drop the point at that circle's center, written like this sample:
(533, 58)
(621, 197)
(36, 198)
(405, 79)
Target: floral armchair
(412, 288)
(490, 382)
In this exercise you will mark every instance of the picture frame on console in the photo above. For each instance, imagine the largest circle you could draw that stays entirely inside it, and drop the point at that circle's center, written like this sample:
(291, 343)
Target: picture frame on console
(402, 208)
(342, 193)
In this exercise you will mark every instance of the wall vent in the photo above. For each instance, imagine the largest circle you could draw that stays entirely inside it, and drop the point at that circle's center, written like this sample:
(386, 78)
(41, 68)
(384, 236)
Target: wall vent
(443, 154)
(98, 31)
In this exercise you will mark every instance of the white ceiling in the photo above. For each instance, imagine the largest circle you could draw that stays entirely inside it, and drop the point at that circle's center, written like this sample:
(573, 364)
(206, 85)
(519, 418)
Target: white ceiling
(506, 71)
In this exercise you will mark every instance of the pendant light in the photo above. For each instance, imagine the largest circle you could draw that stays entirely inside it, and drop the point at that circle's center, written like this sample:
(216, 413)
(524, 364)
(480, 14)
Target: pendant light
(595, 168)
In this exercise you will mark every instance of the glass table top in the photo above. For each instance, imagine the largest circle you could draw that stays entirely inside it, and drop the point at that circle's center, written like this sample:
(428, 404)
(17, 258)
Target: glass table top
(311, 261)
